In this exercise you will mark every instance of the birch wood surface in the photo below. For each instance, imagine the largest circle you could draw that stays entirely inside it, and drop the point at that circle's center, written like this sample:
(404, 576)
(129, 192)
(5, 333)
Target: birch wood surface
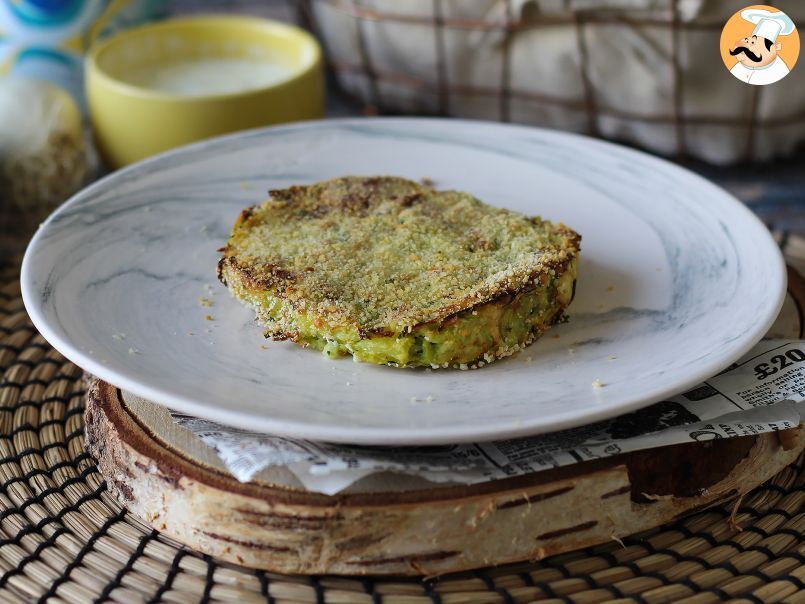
(160, 475)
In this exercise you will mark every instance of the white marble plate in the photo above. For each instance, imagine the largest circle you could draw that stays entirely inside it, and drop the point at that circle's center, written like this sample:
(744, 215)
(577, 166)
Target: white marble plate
(677, 280)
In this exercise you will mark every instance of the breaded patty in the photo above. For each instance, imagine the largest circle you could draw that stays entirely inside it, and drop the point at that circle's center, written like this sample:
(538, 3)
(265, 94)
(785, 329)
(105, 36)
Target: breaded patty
(394, 272)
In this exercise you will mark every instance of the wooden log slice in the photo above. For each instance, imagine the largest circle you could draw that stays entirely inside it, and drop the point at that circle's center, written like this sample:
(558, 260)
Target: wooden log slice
(158, 474)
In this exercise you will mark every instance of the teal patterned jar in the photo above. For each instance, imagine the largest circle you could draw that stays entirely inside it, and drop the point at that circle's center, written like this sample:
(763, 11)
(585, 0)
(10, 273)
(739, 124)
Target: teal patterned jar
(46, 39)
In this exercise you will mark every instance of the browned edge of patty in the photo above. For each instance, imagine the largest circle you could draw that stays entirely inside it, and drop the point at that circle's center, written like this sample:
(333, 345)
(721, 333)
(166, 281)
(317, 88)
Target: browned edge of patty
(278, 279)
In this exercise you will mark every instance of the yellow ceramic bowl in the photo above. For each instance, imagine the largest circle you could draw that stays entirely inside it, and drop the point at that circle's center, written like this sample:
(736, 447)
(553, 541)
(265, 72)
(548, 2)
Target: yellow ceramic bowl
(166, 84)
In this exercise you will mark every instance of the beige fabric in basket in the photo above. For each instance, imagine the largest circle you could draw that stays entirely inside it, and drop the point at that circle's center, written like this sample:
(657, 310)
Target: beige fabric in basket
(646, 72)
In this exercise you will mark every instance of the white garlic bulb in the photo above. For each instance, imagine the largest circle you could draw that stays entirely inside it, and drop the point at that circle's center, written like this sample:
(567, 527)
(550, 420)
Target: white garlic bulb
(43, 155)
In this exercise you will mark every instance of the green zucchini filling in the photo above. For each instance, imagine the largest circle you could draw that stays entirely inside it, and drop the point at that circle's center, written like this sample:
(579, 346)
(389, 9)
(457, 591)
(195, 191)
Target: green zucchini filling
(469, 339)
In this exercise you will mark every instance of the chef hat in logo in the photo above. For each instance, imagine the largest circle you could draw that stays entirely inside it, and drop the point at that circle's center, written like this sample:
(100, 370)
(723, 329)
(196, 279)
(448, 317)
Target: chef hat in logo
(769, 25)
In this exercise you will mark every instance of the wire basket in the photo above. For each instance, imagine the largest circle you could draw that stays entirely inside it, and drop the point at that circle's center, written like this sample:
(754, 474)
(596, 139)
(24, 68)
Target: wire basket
(643, 72)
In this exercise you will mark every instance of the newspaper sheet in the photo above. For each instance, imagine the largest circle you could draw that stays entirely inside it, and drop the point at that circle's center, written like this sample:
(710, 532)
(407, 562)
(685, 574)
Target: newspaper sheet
(763, 392)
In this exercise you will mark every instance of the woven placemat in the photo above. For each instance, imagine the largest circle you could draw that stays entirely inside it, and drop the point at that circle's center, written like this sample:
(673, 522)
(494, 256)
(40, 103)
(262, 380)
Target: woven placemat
(64, 539)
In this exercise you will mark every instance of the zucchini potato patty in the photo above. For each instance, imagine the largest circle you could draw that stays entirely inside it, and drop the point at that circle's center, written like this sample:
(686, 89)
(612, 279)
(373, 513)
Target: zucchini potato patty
(391, 271)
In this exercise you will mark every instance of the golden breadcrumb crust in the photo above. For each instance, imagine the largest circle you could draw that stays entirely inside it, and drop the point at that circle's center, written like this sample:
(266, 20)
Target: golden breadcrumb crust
(382, 255)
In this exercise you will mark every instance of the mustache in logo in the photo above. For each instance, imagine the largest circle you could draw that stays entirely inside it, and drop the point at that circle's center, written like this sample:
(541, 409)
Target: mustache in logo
(752, 56)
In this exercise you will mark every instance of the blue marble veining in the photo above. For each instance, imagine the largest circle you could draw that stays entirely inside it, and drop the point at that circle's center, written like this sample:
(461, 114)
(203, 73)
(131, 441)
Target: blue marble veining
(677, 280)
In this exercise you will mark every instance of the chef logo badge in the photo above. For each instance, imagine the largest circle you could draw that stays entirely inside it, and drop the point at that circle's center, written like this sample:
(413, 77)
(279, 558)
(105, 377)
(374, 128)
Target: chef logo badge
(760, 45)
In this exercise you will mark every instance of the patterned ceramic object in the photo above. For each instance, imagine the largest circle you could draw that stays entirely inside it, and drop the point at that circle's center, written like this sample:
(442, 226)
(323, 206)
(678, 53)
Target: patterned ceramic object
(677, 280)
(46, 39)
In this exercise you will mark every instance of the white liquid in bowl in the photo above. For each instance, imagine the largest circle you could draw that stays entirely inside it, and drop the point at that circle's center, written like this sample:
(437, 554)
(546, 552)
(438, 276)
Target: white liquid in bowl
(201, 77)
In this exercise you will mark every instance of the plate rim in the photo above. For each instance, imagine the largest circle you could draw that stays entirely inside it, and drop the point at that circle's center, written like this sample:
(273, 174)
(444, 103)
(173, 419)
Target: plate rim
(390, 435)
